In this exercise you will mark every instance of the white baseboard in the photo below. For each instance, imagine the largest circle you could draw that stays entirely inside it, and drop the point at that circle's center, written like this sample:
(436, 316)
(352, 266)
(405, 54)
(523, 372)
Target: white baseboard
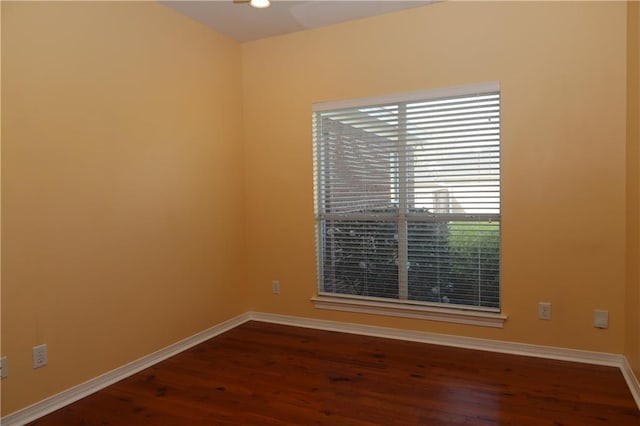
(550, 352)
(632, 380)
(55, 402)
(75, 393)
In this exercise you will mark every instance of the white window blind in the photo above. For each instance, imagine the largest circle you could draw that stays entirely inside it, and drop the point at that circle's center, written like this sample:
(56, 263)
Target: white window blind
(407, 193)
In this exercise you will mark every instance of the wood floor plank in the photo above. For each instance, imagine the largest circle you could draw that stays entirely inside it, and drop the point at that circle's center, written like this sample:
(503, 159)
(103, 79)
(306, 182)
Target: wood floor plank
(268, 374)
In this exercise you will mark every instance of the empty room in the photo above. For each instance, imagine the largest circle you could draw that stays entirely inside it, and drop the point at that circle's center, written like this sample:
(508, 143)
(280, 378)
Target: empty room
(320, 212)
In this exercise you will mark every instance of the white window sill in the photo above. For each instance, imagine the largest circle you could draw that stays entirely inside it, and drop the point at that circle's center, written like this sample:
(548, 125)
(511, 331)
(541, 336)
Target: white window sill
(432, 313)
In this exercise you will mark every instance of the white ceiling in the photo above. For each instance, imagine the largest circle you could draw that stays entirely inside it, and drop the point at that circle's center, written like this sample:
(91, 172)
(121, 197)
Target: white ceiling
(244, 23)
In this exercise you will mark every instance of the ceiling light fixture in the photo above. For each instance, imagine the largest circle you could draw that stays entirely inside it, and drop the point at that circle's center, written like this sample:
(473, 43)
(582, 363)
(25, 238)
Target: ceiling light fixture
(260, 4)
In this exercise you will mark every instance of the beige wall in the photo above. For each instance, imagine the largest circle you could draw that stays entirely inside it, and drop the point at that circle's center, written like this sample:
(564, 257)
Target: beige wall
(122, 194)
(632, 320)
(563, 149)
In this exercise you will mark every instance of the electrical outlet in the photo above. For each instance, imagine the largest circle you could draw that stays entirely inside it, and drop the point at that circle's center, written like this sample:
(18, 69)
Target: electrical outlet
(275, 287)
(600, 319)
(4, 372)
(40, 356)
(544, 310)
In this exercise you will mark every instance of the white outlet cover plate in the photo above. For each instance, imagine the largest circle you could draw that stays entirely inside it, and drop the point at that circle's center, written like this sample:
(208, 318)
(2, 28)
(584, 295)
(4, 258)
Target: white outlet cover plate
(600, 319)
(40, 358)
(544, 310)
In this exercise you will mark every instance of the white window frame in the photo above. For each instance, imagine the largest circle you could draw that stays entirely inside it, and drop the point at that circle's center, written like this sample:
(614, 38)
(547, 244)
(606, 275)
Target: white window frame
(403, 308)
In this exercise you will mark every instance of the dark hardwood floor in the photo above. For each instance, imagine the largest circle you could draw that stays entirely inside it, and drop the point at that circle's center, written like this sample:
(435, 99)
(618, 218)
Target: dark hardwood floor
(269, 374)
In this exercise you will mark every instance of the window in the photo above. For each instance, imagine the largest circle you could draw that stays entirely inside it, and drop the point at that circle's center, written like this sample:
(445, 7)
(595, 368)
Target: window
(407, 195)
